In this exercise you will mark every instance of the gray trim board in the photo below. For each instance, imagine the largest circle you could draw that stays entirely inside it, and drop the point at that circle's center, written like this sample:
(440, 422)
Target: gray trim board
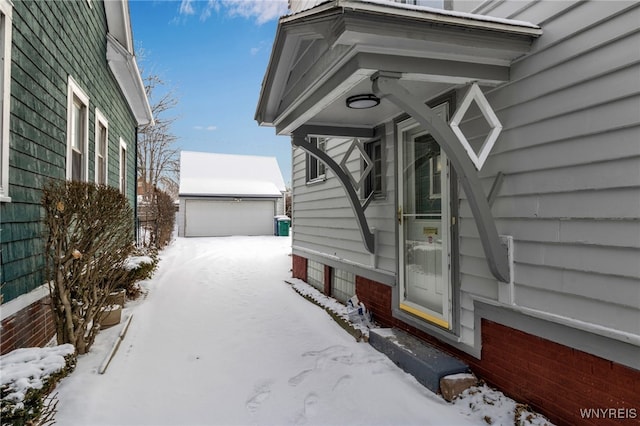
(378, 275)
(623, 353)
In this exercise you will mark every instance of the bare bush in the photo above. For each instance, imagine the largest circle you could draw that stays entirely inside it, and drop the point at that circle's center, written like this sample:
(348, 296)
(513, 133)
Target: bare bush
(158, 216)
(166, 218)
(89, 237)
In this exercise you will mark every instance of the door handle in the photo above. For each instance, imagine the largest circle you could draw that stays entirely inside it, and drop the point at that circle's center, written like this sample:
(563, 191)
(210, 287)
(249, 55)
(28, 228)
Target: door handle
(399, 215)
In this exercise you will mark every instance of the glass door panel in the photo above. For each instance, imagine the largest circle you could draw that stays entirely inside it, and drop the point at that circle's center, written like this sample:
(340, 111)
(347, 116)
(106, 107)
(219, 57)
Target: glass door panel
(424, 218)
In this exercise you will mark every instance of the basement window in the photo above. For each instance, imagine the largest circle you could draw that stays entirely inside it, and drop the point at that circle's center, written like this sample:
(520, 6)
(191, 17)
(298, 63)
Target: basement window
(315, 274)
(343, 285)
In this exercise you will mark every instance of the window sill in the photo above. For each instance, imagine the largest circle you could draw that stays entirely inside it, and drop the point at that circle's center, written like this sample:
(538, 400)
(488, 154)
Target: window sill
(317, 180)
(377, 197)
(4, 199)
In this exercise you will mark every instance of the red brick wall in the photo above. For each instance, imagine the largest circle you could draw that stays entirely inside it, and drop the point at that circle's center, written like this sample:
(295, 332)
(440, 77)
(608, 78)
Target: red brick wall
(299, 267)
(32, 326)
(556, 380)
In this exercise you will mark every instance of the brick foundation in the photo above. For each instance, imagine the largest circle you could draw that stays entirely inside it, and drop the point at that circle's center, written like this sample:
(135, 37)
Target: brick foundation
(32, 326)
(555, 380)
(299, 267)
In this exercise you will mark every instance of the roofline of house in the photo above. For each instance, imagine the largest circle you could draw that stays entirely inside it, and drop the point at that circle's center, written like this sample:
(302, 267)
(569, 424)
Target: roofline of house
(122, 60)
(428, 14)
(296, 24)
(232, 196)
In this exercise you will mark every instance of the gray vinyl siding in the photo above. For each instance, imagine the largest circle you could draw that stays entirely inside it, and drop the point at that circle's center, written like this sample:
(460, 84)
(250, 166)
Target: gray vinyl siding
(570, 153)
(324, 221)
(571, 156)
(50, 41)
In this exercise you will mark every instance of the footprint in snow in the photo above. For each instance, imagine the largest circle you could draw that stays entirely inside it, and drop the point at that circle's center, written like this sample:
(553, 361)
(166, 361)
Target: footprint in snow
(341, 382)
(261, 393)
(337, 353)
(310, 409)
(326, 351)
(298, 378)
(311, 405)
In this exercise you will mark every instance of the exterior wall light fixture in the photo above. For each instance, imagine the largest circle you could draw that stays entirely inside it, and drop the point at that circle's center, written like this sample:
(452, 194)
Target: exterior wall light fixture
(363, 101)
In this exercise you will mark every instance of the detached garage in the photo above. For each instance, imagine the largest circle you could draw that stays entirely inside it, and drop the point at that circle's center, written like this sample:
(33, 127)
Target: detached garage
(222, 194)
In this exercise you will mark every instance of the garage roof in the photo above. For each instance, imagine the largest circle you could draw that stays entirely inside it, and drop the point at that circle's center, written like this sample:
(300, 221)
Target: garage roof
(227, 175)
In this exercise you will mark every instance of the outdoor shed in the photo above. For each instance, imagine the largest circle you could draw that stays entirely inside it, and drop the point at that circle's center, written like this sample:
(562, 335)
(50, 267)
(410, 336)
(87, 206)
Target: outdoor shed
(223, 194)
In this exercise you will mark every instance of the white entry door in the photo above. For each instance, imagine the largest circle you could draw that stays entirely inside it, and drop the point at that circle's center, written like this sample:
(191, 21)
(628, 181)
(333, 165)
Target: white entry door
(423, 220)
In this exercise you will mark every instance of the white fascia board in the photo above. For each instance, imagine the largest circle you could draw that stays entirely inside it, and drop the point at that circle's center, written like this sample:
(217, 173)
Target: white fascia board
(119, 22)
(125, 69)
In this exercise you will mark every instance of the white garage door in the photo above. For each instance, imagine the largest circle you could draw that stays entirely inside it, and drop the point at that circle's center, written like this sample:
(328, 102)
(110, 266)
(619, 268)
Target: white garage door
(206, 218)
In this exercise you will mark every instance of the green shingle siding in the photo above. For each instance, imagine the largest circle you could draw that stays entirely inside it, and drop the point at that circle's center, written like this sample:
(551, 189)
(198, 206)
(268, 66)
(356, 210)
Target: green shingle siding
(51, 41)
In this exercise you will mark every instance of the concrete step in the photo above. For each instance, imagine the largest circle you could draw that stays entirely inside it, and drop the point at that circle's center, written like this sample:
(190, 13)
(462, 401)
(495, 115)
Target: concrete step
(423, 361)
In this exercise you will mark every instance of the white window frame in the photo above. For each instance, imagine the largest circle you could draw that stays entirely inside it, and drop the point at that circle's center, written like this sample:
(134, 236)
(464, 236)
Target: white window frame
(74, 91)
(6, 19)
(122, 175)
(101, 121)
(315, 274)
(377, 169)
(315, 169)
(343, 284)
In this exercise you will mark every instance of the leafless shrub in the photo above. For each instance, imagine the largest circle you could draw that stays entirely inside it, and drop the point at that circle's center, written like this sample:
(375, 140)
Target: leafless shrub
(89, 236)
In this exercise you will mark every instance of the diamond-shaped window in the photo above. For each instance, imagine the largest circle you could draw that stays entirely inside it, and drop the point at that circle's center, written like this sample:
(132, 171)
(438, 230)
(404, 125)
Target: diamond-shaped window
(356, 144)
(475, 94)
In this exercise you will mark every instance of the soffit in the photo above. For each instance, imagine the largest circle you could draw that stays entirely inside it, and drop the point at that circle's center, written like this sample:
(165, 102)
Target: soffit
(432, 52)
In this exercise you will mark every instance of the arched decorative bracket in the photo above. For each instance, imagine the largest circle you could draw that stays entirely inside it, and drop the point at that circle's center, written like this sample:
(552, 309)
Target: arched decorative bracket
(300, 139)
(387, 86)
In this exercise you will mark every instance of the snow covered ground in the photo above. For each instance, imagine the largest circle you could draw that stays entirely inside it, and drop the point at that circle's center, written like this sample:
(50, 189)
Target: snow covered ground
(221, 339)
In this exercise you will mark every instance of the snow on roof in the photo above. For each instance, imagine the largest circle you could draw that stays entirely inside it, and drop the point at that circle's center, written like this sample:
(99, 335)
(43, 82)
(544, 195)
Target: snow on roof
(453, 13)
(418, 8)
(204, 173)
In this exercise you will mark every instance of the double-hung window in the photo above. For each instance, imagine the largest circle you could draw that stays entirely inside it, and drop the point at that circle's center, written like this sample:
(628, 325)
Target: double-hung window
(77, 133)
(101, 148)
(373, 183)
(316, 169)
(123, 166)
(6, 11)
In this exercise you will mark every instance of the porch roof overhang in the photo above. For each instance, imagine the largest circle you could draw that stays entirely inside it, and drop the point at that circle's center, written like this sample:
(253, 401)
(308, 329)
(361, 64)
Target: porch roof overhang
(405, 56)
(431, 50)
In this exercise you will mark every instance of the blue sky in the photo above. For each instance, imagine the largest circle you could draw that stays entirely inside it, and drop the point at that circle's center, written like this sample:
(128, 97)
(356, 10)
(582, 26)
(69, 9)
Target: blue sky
(213, 55)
